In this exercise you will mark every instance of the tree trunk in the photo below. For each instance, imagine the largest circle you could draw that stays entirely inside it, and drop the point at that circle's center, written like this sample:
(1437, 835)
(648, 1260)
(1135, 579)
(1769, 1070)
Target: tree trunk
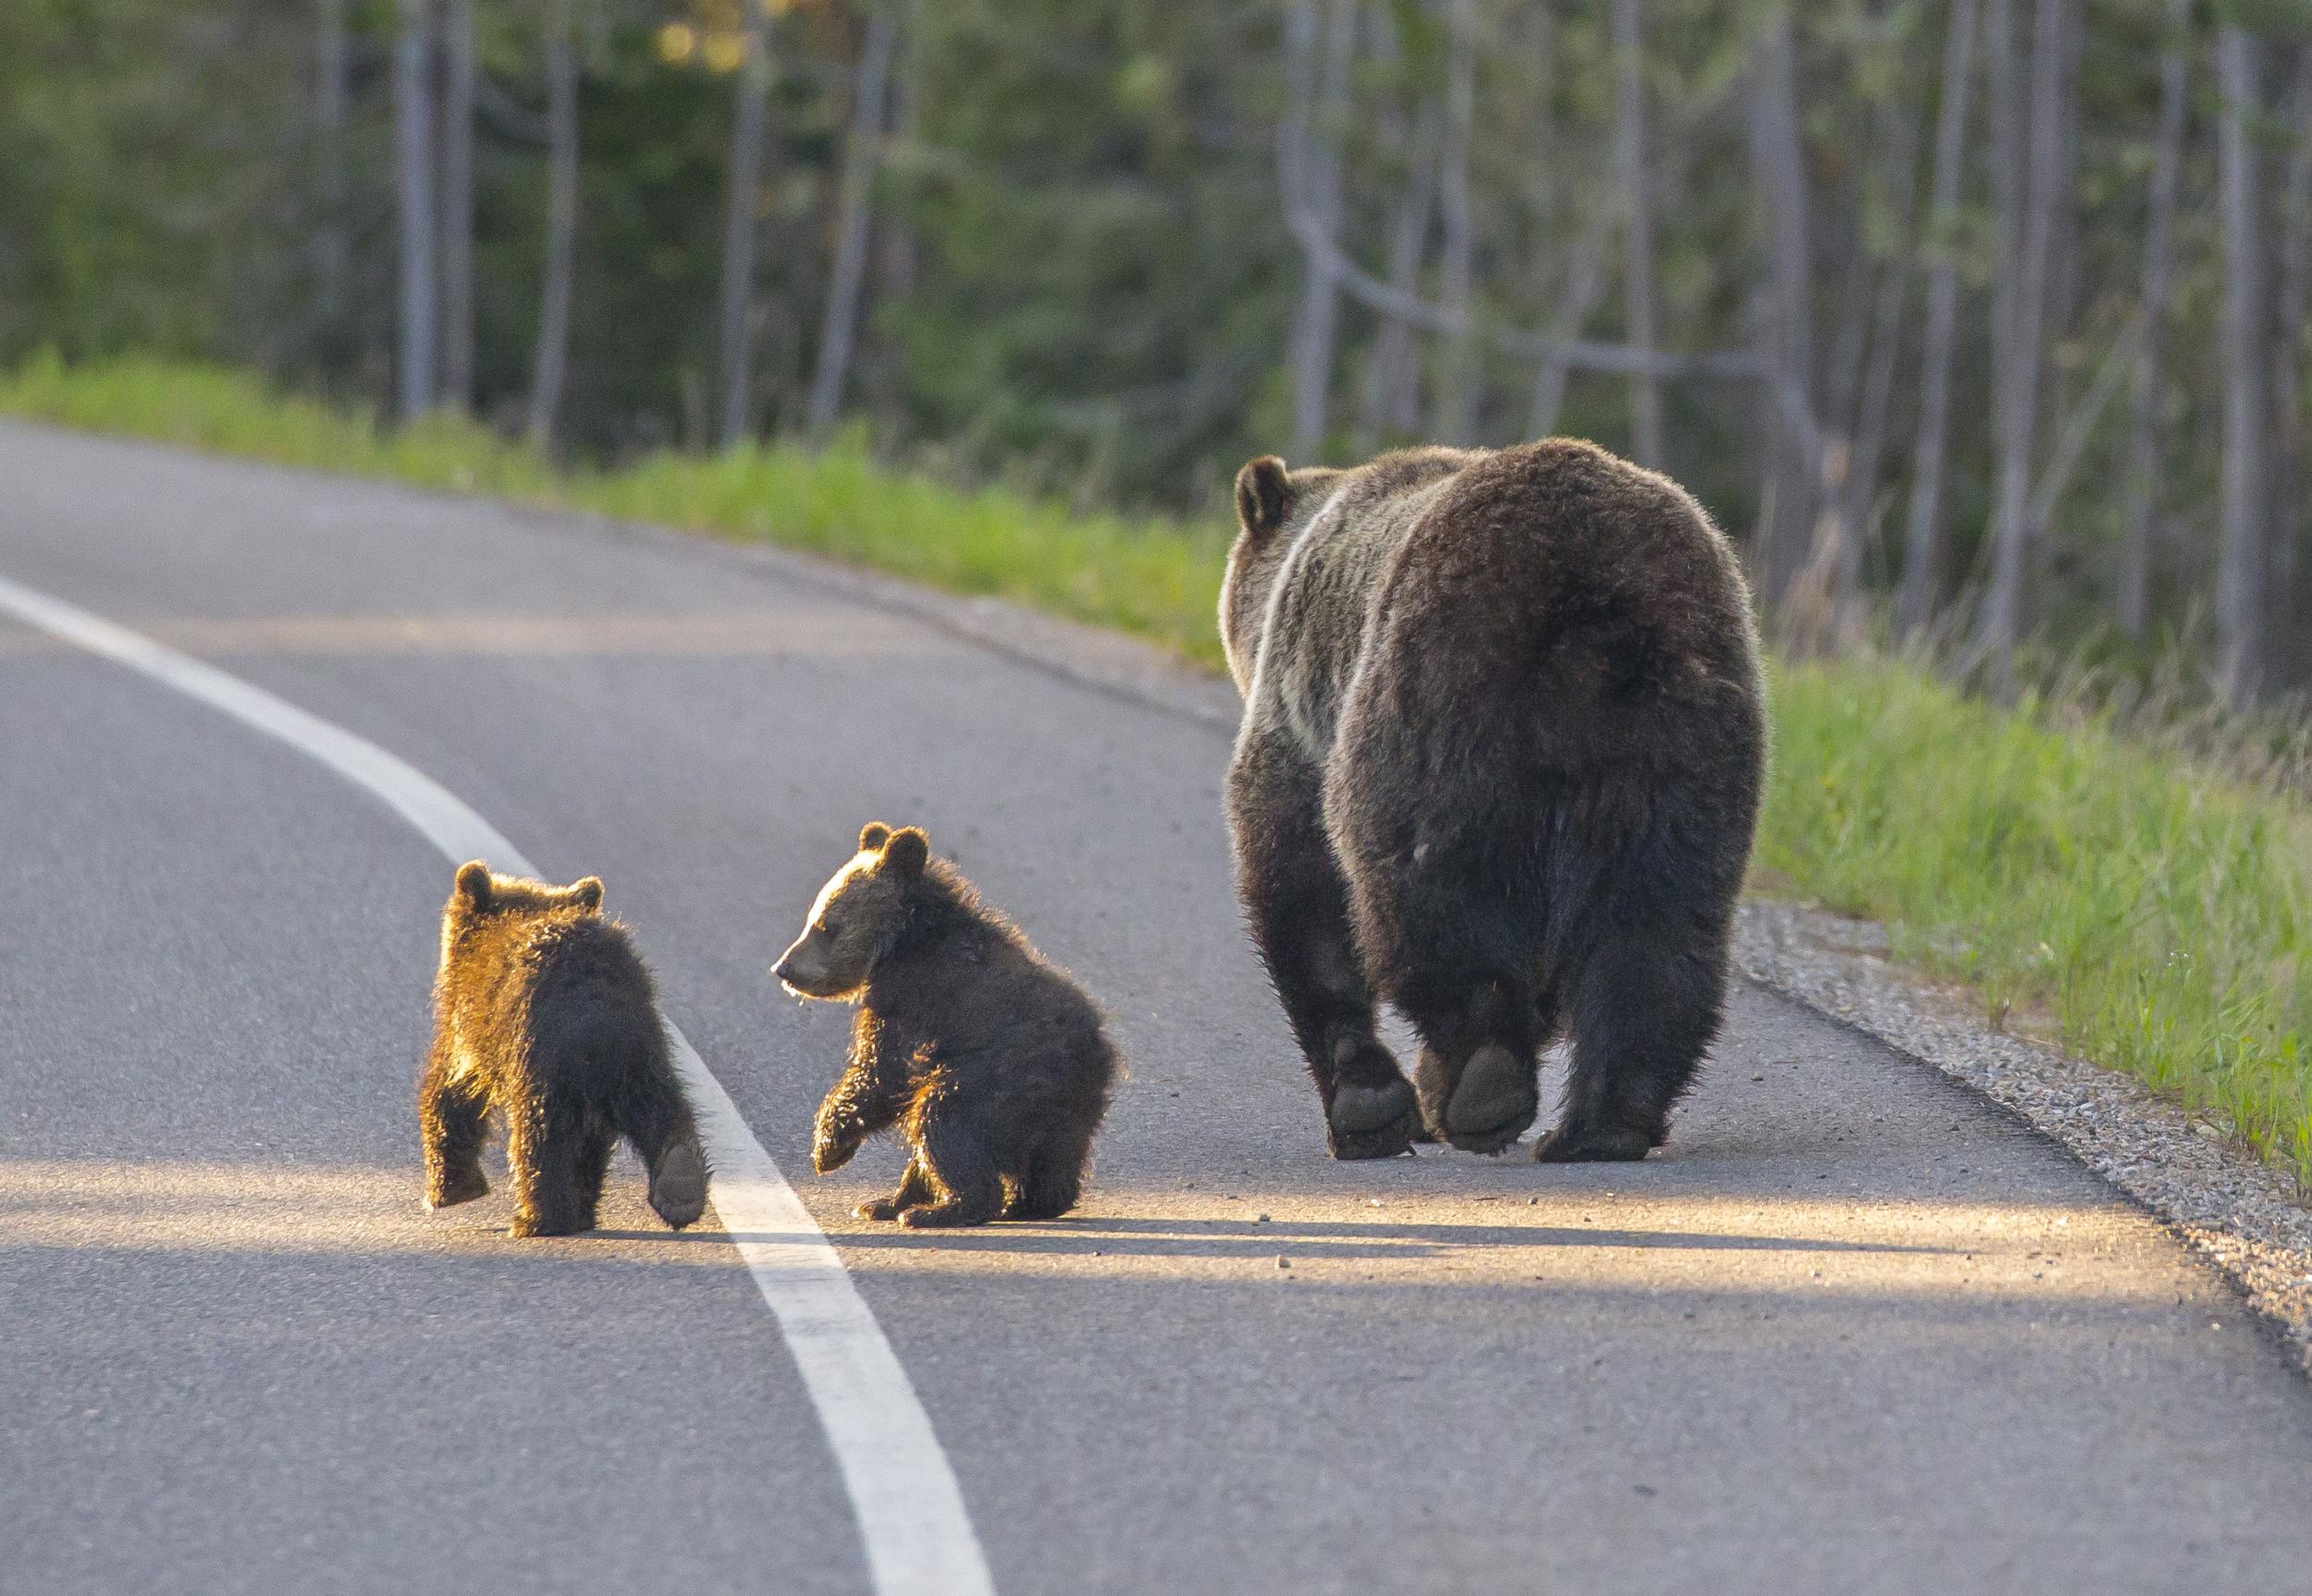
(2022, 354)
(1456, 366)
(1778, 165)
(2144, 457)
(1879, 377)
(1319, 101)
(1630, 168)
(456, 203)
(1921, 546)
(332, 251)
(413, 168)
(1585, 285)
(2240, 552)
(735, 341)
(1389, 373)
(851, 228)
(562, 222)
(2285, 656)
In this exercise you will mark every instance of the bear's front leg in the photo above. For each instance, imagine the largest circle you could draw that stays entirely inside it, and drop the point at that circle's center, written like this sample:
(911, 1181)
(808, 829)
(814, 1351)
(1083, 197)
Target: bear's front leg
(1298, 907)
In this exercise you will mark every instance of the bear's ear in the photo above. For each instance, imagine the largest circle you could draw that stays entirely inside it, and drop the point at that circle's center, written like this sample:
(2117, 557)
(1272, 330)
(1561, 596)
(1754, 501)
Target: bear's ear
(872, 836)
(1263, 496)
(905, 853)
(474, 881)
(586, 893)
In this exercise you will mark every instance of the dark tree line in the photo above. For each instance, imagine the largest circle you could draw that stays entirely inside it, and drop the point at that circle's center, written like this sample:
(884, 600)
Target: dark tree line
(1981, 320)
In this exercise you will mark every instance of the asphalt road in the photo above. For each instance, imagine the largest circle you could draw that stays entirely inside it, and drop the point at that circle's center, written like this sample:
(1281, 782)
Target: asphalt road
(1852, 1331)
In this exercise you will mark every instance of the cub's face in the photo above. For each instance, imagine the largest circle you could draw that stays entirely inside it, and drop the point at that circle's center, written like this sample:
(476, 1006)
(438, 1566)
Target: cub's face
(858, 915)
(478, 895)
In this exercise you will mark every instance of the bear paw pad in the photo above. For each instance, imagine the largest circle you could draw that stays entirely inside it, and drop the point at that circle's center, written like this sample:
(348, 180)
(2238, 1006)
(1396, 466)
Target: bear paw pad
(1494, 1103)
(678, 1186)
(1372, 1122)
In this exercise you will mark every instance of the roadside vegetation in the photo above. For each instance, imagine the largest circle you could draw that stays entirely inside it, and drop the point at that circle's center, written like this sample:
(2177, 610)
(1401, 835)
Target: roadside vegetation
(2150, 899)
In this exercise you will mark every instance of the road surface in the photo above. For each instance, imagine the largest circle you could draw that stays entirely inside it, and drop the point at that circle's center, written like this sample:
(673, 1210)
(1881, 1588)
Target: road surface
(1854, 1330)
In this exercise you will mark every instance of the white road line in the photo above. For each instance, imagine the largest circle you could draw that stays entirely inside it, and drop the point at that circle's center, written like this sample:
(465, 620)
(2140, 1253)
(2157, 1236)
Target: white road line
(919, 1539)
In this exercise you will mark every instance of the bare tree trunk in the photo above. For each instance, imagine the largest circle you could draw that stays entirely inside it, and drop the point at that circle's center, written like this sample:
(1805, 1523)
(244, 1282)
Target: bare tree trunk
(1585, 285)
(851, 228)
(734, 343)
(1319, 100)
(332, 95)
(1389, 369)
(2284, 657)
(1630, 164)
(2144, 458)
(1878, 378)
(456, 203)
(1778, 165)
(2240, 553)
(562, 222)
(1922, 546)
(414, 166)
(1456, 368)
(2021, 356)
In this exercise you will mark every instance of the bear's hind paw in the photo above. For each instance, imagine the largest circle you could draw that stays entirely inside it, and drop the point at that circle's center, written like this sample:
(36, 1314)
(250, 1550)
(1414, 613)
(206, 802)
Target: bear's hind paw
(1372, 1122)
(678, 1186)
(451, 1190)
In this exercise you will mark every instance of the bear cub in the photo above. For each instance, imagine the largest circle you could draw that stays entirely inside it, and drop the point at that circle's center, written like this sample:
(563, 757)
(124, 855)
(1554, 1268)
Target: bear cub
(993, 1064)
(545, 1017)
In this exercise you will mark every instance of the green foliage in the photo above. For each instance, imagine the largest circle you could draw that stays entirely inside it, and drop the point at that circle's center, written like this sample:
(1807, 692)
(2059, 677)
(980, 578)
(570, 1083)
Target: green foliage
(2161, 912)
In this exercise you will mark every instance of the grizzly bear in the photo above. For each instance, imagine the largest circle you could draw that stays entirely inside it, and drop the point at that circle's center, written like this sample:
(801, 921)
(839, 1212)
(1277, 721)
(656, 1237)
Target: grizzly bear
(1503, 741)
(543, 1016)
(994, 1065)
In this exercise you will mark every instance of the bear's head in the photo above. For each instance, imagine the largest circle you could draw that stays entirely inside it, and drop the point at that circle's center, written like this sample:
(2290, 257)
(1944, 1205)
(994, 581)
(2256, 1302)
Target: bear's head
(1272, 505)
(479, 895)
(858, 916)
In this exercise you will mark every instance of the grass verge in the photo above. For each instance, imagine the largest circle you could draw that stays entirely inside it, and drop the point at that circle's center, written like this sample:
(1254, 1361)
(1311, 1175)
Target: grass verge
(2159, 909)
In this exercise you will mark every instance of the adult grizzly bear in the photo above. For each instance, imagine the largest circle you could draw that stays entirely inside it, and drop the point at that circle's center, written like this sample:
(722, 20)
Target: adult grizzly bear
(545, 1017)
(1500, 764)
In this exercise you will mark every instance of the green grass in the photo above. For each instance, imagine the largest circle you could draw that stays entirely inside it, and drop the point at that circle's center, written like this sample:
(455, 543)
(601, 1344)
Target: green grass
(2156, 909)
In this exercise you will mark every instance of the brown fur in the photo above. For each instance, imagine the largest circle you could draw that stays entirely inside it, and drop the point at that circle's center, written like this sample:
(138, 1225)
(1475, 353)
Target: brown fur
(1500, 764)
(545, 1017)
(990, 1064)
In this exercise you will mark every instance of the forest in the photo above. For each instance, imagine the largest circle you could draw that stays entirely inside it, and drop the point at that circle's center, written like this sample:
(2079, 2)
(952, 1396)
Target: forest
(1979, 324)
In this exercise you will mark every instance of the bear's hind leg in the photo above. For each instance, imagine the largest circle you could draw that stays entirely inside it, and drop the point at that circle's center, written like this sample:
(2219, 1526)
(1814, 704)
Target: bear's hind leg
(1051, 1177)
(1298, 906)
(453, 1121)
(915, 1190)
(549, 1153)
(1480, 1058)
(656, 1120)
(1646, 1002)
(953, 1152)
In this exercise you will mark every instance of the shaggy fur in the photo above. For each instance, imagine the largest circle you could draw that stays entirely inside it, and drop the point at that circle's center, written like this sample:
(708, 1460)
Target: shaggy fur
(990, 1063)
(543, 1016)
(1500, 763)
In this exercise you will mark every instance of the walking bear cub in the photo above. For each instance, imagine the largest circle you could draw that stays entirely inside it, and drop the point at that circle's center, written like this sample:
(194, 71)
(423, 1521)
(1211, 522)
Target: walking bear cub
(992, 1064)
(545, 1016)
(1499, 764)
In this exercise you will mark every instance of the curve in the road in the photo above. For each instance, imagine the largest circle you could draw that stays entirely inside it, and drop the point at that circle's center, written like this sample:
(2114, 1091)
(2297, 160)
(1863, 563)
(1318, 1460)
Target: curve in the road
(917, 1538)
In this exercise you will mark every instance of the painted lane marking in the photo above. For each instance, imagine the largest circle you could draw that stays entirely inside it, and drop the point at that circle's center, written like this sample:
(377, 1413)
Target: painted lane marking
(917, 1538)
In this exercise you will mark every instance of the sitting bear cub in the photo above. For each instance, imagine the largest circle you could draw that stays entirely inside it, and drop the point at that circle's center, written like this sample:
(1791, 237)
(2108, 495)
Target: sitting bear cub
(544, 1015)
(991, 1063)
